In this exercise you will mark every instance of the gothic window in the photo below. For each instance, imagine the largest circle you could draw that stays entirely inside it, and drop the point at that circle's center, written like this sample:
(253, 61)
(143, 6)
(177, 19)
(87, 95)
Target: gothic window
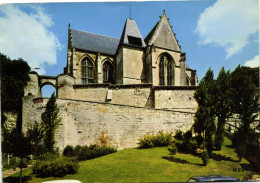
(107, 72)
(161, 71)
(87, 71)
(166, 67)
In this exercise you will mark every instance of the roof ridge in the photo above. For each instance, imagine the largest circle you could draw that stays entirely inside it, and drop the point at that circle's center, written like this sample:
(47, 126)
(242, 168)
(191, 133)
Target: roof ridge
(95, 33)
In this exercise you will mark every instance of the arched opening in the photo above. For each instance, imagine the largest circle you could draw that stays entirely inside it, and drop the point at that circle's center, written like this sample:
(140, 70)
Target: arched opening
(47, 90)
(107, 72)
(166, 70)
(87, 71)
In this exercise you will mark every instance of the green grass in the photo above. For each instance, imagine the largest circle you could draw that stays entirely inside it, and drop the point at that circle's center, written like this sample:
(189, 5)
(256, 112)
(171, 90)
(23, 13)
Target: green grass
(153, 165)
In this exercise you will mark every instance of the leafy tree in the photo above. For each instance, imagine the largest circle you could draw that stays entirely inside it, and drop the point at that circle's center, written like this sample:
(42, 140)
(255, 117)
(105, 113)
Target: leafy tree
(14, 77)
(204, 118)
(222, 105)
(245, 103)
(18, 145)
(50, 122)
(36, 134)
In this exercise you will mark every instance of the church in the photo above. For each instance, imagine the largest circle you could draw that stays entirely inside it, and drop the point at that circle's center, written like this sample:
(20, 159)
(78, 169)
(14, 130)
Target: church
(118, 89)
(157, 59)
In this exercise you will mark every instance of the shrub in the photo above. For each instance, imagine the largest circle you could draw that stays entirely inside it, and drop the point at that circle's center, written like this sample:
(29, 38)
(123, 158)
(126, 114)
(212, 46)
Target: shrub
(187, 135)
(58, 167)
(93, 151)
(68, 151)
(48, 156)
(13, 163)
(179, 135)
(172, 149)
(205, 158)
(158, 140)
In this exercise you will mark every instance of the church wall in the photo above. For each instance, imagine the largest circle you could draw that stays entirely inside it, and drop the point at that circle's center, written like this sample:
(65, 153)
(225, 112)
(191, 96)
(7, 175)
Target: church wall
(181, 100)
(84, 123)
(133, 65)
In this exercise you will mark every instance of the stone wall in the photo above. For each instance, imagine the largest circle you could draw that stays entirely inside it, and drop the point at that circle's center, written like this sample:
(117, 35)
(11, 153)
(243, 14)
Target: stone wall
(85, 122)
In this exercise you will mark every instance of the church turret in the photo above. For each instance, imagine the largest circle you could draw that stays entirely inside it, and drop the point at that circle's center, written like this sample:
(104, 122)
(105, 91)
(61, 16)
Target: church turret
(183, 69)
(129, 58)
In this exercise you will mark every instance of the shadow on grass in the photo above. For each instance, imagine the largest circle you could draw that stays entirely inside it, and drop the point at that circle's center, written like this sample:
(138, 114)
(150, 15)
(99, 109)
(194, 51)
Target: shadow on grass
(17, 179)
(178, 160)
(219, 157)
(249, 167)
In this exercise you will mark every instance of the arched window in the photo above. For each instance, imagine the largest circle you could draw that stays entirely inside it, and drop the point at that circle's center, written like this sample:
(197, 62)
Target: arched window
(107, 72)
(87, 71)
(161, 71)
(166, 71)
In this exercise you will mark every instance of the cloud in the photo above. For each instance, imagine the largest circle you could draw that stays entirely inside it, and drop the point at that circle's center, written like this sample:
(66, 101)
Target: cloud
(229, 24)
(26, 35)
(255, 62)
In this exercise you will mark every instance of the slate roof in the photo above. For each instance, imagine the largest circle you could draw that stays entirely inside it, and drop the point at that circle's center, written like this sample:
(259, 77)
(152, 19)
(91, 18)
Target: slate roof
(94, 42)
(131, 29)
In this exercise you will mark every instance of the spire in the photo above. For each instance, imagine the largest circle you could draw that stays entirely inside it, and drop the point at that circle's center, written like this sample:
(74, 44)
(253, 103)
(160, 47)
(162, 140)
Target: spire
(131, 34)
(162, 35)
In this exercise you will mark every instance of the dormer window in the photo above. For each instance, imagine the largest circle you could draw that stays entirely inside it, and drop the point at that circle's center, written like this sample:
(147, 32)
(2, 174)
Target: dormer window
(135, 41)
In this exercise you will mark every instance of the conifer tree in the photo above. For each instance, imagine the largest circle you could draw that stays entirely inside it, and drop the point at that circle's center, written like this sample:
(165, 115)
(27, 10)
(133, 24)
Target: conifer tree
(204, 119)
(50, 122)
(222, 105)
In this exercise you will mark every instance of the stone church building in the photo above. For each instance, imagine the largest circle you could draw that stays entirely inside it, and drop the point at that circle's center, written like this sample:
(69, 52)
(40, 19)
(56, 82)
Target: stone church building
(118, 89)
(156, 60)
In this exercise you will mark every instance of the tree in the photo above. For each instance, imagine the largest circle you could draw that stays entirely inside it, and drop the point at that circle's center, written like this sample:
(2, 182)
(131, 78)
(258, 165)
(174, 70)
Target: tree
(50, 122)
(18, 145)
(14, 77)
(36, 134)
(222, 105)
(204, 121)
(245, 103)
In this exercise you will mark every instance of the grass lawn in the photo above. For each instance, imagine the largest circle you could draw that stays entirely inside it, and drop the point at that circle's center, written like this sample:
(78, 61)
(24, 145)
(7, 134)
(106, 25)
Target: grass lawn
(153, 165)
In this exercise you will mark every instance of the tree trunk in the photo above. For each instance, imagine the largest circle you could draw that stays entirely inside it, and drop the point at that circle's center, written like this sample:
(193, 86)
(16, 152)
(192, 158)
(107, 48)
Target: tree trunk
(21, 168)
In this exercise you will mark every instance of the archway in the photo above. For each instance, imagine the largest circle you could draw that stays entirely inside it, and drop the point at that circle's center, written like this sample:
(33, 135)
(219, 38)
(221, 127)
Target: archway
(47, 90)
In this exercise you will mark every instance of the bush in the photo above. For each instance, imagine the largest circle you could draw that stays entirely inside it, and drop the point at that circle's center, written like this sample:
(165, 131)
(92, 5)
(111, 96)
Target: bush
(93, 151)
(58, 167)
(68, 151)
(187, 135)
(205, 158)
(179, 135)
(172, 149)
(158, 140)
(48, 156)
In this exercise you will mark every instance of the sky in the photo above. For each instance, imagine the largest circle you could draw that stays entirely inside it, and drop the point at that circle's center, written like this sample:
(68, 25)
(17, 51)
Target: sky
(212, 33)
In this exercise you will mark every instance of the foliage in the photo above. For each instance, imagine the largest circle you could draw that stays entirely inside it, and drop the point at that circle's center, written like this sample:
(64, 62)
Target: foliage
(14, 77)
(222, 105)
(36, 134)
(48, 156)
(50, 122)
(204, 117)
(172, 149)
(178, 135)
(93, 151)
(24, 163)
(56, 167)
(13, 163)
(68, 151)
(199, 140)
(18, 145)
(245, 102)
(185, 143)
(158, 140)
(205, 158)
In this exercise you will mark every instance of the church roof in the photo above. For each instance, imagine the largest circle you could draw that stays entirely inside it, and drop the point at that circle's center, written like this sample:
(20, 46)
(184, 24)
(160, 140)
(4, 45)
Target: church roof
(94, 42)
(162, 35)
(131, 34)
